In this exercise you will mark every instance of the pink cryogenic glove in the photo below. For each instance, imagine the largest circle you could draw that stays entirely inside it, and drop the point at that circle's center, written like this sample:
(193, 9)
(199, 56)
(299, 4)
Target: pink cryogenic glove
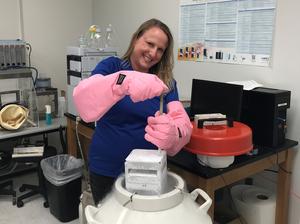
(94, 96)
(169, 131)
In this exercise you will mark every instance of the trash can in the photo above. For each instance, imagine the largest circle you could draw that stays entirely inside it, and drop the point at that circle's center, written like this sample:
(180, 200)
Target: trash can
(63, 185)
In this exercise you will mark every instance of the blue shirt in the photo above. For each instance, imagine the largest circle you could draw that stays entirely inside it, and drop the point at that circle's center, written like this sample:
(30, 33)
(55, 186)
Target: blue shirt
(122, 128)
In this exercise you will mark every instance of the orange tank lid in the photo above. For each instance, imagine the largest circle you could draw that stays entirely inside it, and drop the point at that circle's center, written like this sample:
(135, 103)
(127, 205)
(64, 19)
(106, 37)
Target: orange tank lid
(220, 140)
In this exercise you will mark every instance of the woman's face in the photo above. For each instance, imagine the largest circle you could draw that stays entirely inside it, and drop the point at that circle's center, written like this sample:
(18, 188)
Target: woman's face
(148, 49)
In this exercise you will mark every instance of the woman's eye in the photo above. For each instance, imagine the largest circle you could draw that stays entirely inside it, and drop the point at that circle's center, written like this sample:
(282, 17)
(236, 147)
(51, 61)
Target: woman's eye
(160, 50)
(150, 44)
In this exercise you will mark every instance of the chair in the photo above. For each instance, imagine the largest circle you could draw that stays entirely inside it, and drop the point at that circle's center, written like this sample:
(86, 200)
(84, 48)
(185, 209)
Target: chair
(7, 186)
(40, 188)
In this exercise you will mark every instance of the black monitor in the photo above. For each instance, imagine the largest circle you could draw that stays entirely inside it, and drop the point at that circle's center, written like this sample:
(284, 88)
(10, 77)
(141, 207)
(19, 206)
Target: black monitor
(216, 97)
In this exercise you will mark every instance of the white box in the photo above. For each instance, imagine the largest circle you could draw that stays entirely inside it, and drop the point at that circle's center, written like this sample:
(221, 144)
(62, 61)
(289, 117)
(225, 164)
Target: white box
(28, 149)
(198, 117)
(146, 172)
(75, 66)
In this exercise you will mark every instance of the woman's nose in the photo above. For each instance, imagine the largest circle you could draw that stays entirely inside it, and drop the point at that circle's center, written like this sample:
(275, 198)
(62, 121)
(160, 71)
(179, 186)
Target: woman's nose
(153, 52)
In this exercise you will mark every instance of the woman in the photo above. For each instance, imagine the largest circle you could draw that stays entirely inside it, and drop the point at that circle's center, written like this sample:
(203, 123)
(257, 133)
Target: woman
(123, 96)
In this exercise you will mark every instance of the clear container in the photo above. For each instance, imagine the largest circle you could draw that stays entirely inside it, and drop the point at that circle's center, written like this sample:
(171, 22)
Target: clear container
(17, 86)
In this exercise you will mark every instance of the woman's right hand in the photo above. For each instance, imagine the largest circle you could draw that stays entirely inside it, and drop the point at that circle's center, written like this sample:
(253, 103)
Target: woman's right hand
(94, 96)
(139, 86)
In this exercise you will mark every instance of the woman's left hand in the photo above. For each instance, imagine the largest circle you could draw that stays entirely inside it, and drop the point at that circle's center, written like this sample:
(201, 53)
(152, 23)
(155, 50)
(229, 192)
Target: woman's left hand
(171, 131)
(161, 131)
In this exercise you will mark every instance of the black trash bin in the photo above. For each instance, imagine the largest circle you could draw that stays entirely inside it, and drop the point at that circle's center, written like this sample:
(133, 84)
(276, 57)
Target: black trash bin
(63, 185)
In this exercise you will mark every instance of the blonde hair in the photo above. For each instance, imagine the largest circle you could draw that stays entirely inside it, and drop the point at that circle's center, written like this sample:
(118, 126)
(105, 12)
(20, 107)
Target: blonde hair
(163, 69)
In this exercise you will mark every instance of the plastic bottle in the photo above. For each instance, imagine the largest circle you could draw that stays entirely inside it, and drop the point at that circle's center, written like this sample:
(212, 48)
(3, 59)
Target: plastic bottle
(48, 115)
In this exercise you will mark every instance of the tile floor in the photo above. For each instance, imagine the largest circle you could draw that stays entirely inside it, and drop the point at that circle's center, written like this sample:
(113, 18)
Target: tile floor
(33, 211)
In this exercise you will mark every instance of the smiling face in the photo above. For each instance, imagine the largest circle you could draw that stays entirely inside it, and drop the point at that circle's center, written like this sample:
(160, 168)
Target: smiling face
(148, 49)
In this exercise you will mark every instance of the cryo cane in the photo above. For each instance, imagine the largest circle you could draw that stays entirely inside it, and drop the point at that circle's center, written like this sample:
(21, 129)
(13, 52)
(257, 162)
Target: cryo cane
(161, 109)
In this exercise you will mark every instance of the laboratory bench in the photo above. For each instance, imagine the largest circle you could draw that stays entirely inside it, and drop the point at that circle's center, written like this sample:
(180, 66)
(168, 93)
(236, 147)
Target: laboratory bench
(18, 166)
(21, 165)
(209, 179)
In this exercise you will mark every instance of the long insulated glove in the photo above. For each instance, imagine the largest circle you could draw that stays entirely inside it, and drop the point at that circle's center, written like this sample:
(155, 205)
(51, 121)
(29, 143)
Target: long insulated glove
(170, 131)
(94, 96)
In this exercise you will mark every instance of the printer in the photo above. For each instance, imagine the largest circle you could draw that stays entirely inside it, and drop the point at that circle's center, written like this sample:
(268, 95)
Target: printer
(265, 111)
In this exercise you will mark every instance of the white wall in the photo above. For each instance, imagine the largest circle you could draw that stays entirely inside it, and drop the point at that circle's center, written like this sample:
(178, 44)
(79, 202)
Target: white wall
(284, 72)
(9, 19)
(49, 26)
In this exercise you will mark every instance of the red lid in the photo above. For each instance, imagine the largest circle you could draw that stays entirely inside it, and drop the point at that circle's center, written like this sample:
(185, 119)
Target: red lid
(220, 140)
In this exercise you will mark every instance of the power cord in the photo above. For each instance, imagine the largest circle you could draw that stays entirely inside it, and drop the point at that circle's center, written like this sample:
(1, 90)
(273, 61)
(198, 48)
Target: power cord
(227, 187)
(29, 48)
(86, 176)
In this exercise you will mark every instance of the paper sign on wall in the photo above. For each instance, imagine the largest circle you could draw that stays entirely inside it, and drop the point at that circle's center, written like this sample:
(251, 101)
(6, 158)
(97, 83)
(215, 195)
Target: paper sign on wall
(227, 31)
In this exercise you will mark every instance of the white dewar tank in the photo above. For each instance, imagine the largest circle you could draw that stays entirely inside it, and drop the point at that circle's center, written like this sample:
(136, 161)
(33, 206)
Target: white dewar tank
(175, 206)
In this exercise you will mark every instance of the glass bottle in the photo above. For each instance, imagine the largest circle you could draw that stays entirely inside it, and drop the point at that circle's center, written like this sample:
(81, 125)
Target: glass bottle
(91, 36)
(82, 41)
(108, 36)
(98, 39)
